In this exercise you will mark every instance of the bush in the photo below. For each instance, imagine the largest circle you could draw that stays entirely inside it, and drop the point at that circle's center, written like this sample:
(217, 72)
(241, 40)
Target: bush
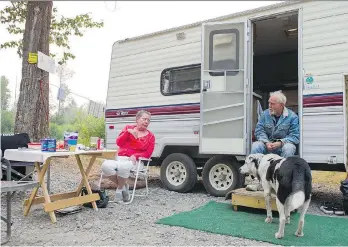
(7, 122)
(57, 130)
(86, 125)
(90, 126)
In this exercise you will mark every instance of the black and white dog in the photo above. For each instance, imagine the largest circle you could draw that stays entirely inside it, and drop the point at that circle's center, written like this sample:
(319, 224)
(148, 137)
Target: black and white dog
(290, 178)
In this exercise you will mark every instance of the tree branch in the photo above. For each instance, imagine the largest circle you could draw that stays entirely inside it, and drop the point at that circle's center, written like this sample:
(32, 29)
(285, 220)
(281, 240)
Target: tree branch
(19, 14)
(62, 28)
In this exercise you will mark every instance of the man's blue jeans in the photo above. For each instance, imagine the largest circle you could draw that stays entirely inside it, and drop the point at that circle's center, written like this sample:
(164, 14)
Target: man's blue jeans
(285, 151)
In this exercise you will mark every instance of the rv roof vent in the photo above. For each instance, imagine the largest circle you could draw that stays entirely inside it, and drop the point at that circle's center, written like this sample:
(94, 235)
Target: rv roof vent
(180, 36)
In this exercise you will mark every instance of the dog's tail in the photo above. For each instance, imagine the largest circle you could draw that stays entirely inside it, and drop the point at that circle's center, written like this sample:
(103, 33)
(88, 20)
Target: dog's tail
(300, 177)
(298, 198)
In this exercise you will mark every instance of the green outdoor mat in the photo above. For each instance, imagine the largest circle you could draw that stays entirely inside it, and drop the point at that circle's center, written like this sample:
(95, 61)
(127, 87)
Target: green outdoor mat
(220, 218)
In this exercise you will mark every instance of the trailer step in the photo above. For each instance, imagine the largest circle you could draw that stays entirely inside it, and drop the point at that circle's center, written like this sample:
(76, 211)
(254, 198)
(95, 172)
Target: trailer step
(251, 199)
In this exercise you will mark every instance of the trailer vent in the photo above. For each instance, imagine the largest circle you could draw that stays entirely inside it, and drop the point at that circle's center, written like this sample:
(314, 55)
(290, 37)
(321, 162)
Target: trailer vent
(180, 36)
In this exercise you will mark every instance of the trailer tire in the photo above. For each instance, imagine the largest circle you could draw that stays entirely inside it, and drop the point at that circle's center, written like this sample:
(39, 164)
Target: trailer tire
(178, 173)
(220, 175)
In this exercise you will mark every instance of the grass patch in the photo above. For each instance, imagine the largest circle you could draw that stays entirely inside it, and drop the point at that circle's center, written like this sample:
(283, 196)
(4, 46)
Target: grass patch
(219, 218)
(328, 178)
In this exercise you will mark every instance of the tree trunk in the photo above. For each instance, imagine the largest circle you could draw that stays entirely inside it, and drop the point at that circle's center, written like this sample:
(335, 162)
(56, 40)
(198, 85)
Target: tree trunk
(33, 103)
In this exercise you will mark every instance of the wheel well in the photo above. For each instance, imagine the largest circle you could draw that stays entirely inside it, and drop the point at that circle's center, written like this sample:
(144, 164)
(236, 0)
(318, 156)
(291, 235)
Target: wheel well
(192, 151)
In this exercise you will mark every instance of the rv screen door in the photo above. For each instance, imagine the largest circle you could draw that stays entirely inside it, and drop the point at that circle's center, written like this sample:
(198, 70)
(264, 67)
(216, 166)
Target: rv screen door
(223, 89)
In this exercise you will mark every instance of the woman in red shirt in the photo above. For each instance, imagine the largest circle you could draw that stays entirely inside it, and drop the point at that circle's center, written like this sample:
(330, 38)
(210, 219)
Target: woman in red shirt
(134, 142)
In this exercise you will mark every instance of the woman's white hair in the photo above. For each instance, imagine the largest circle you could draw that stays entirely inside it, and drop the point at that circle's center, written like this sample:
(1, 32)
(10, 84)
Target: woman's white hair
(281, 98)
(141, 113)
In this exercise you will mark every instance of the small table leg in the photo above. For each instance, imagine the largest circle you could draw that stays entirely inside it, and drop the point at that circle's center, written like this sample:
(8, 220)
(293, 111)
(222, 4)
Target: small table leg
(88, 170)
(42, 183)
(85, 179)
(48, 176)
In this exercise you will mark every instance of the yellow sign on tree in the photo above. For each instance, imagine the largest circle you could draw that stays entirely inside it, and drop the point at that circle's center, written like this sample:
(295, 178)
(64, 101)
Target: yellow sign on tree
(32, 57)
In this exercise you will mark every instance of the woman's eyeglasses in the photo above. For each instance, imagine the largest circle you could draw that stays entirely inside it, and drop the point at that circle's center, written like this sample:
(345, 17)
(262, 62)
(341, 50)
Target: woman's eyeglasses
(145, 119)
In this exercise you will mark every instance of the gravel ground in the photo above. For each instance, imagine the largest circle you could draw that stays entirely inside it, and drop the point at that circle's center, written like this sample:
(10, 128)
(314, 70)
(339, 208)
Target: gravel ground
(132, 224)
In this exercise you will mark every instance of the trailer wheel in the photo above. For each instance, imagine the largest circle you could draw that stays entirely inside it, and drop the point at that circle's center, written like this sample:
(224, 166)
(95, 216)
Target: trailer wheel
(220, 175)
(178, 172)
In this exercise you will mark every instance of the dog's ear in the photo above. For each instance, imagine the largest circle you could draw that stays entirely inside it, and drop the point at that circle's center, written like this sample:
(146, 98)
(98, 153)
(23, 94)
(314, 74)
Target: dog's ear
(256, 162)
(274, 162)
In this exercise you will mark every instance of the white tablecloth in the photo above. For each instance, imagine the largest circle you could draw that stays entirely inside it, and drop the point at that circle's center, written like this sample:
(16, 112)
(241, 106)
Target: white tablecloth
(30, 155)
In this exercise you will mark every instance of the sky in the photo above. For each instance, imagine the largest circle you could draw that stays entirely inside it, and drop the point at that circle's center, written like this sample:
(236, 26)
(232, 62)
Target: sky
(128, 19)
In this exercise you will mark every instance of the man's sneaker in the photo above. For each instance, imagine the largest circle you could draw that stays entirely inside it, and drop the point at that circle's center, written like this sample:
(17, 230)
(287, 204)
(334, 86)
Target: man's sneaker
(125, 193)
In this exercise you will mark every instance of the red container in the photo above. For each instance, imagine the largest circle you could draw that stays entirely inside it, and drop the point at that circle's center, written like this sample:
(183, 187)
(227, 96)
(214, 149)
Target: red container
(34, 145)
(100, 144)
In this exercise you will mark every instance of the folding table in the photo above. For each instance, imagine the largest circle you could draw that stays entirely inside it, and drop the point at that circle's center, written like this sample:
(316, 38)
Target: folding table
(63, 200)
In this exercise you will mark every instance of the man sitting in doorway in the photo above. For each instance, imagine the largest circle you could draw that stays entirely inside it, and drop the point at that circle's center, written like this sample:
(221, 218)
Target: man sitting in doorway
(277, 131)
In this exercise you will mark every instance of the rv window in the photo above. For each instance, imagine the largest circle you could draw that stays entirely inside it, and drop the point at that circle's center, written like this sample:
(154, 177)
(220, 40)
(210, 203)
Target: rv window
(181, 80)
(224, 51)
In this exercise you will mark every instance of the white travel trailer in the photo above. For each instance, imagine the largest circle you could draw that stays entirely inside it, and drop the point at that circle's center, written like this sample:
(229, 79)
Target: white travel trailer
(201, 83)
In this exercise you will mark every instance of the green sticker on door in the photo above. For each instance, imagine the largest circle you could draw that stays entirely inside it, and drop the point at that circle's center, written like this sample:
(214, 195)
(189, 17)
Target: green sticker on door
(309, 79)
(309, 82)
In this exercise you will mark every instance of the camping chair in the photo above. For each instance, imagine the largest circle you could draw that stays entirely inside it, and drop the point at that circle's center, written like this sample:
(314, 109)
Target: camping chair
(7, 166)
(143, 173)
(11, 187)
(137, 173)
(18, 169)
(16, 175)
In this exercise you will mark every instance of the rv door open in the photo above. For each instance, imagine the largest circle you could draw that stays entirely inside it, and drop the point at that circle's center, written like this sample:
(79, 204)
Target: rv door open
(224, 88)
